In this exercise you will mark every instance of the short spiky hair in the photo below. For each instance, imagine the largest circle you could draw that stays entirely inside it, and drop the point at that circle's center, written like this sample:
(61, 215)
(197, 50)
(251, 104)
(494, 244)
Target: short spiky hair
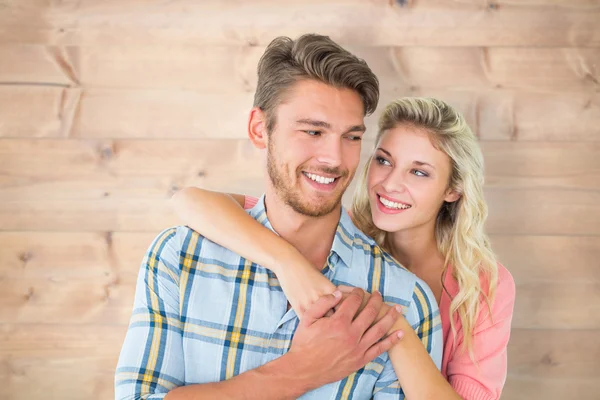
(311, 56)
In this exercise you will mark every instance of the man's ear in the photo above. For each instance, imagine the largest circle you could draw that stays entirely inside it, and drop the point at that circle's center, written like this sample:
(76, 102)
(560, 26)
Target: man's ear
(257, 128)
(452, 195)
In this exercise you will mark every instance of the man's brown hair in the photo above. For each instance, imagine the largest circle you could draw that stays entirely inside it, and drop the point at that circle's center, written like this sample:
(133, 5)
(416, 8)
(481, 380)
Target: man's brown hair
(311, 56)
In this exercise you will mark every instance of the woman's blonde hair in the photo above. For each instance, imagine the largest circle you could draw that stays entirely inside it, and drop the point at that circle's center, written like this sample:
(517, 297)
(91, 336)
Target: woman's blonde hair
(459, 226)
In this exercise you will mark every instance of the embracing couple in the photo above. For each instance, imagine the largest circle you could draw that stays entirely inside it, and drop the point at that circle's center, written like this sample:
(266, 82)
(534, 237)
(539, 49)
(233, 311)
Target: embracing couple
(292, 296)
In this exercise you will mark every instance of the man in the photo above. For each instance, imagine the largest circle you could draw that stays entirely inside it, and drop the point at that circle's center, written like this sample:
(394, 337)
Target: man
(209, 324)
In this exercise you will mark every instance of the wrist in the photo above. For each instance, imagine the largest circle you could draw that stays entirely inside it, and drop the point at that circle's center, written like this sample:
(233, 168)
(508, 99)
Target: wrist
(289, 371)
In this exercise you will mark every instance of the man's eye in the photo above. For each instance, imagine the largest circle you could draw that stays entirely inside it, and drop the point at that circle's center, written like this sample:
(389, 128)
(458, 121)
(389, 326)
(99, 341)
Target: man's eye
(355, 138)
(313, 133)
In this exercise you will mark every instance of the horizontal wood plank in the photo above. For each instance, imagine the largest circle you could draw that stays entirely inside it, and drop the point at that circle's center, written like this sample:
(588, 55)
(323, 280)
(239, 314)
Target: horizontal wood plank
(518, 212)
(37, 111)
(532, 353)
(567, 305)
(57, 112)
(117, 256)
(553, 354)
(99, 183)
(55, 356)
(533, 259)
(518, 388)
(84, 277)
(104, 301)
(98, 169)
(233, 69)
(543, 212)
(45, 65)
(380, 22)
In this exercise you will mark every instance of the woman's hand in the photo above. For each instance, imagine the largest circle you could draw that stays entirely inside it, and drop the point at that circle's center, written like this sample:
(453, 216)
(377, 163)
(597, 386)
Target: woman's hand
(303, 285)
(401, 323)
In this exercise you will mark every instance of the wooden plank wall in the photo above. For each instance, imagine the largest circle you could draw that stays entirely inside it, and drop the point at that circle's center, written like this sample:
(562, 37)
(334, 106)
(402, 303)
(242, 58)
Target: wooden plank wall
(108, 107)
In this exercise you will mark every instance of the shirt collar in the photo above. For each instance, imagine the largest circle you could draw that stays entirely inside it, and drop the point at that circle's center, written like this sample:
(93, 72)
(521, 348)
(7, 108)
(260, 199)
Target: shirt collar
(344, 235)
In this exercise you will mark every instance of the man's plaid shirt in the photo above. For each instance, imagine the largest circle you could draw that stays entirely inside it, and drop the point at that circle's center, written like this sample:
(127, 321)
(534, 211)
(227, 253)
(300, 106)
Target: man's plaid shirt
(204, 314)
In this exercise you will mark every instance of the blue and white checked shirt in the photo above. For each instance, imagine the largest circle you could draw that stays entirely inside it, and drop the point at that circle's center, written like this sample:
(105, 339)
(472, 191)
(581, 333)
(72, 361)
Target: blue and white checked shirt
(204, 314)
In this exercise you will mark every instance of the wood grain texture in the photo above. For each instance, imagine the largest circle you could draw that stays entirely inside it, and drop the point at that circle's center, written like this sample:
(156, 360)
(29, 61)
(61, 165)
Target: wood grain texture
(90, 255)
(53, 355)
(378, 22)
(60, 112)
(548, 354)
(561, 306)
(554, 259)
(135, 168)
(101, 184)
(108, 300)
(233, 69)
(107, 108)
(74, 361)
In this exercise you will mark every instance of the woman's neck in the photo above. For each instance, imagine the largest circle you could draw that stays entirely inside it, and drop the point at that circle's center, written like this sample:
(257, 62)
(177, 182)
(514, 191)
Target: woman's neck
(416, 249)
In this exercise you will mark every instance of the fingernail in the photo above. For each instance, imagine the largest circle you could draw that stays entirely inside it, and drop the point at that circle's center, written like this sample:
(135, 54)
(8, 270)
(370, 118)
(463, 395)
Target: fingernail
(398, 308)
(337, 294)
(400, 334)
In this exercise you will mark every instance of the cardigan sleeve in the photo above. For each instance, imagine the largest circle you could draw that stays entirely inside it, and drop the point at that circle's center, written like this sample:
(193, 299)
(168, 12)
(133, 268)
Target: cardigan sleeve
(250, 202)
(485, 379)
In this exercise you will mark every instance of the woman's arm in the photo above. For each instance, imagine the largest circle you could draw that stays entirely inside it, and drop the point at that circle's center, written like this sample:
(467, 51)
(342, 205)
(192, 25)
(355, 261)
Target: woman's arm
(483, 380)
(220, 218)
(417, 373)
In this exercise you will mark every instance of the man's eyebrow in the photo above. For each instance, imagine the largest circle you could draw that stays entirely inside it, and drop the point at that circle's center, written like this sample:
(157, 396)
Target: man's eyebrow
(327, 125)
(357, 128)
(314, 122)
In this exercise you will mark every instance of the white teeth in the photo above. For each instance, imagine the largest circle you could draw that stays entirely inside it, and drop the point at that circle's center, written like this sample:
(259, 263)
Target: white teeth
(320, 179)
(392, 204)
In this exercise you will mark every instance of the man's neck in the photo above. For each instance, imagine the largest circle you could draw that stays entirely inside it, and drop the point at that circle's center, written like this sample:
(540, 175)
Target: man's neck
(313, 237)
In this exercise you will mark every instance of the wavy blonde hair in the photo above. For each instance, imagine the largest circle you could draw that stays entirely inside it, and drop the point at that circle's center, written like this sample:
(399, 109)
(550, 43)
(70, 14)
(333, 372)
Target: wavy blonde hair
(459, 226)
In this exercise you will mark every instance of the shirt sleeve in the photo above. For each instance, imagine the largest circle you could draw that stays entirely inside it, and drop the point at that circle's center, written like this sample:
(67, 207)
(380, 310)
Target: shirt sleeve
(485, 379)
(151, 359)
(387, 386)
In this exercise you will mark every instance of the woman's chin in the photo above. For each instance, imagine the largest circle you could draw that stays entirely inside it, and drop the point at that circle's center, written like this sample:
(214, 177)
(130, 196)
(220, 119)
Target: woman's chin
(383, 223)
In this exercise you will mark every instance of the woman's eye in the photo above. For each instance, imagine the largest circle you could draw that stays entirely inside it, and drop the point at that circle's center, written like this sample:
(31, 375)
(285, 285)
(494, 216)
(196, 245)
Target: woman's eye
(418, 172)
(382, 161)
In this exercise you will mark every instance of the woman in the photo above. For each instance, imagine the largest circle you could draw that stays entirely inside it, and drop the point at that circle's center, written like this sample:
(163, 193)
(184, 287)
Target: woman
(421, 198)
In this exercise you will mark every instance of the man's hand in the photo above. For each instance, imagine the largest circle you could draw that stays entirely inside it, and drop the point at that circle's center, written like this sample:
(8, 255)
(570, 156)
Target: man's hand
(327, 349)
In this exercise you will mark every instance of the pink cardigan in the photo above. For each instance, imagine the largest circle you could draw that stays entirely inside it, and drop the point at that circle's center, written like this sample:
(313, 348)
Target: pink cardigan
(485, 380)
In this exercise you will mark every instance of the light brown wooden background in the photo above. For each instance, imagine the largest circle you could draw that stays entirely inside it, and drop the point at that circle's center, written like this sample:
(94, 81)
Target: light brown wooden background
(108, 107)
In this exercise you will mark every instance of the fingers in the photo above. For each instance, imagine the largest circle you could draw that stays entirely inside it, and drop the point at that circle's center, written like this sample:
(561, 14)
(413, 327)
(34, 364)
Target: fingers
(345, 289)
(348, 308)
(384, 345)
(369, 313)
(320, 308)
(381, 328)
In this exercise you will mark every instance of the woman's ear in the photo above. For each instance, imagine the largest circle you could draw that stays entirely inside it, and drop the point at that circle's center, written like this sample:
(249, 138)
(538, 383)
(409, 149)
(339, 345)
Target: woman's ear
(452, 195)
(257, 128)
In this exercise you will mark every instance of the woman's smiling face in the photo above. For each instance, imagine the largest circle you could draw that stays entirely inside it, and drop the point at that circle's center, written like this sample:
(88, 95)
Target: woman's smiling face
(408, 180)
